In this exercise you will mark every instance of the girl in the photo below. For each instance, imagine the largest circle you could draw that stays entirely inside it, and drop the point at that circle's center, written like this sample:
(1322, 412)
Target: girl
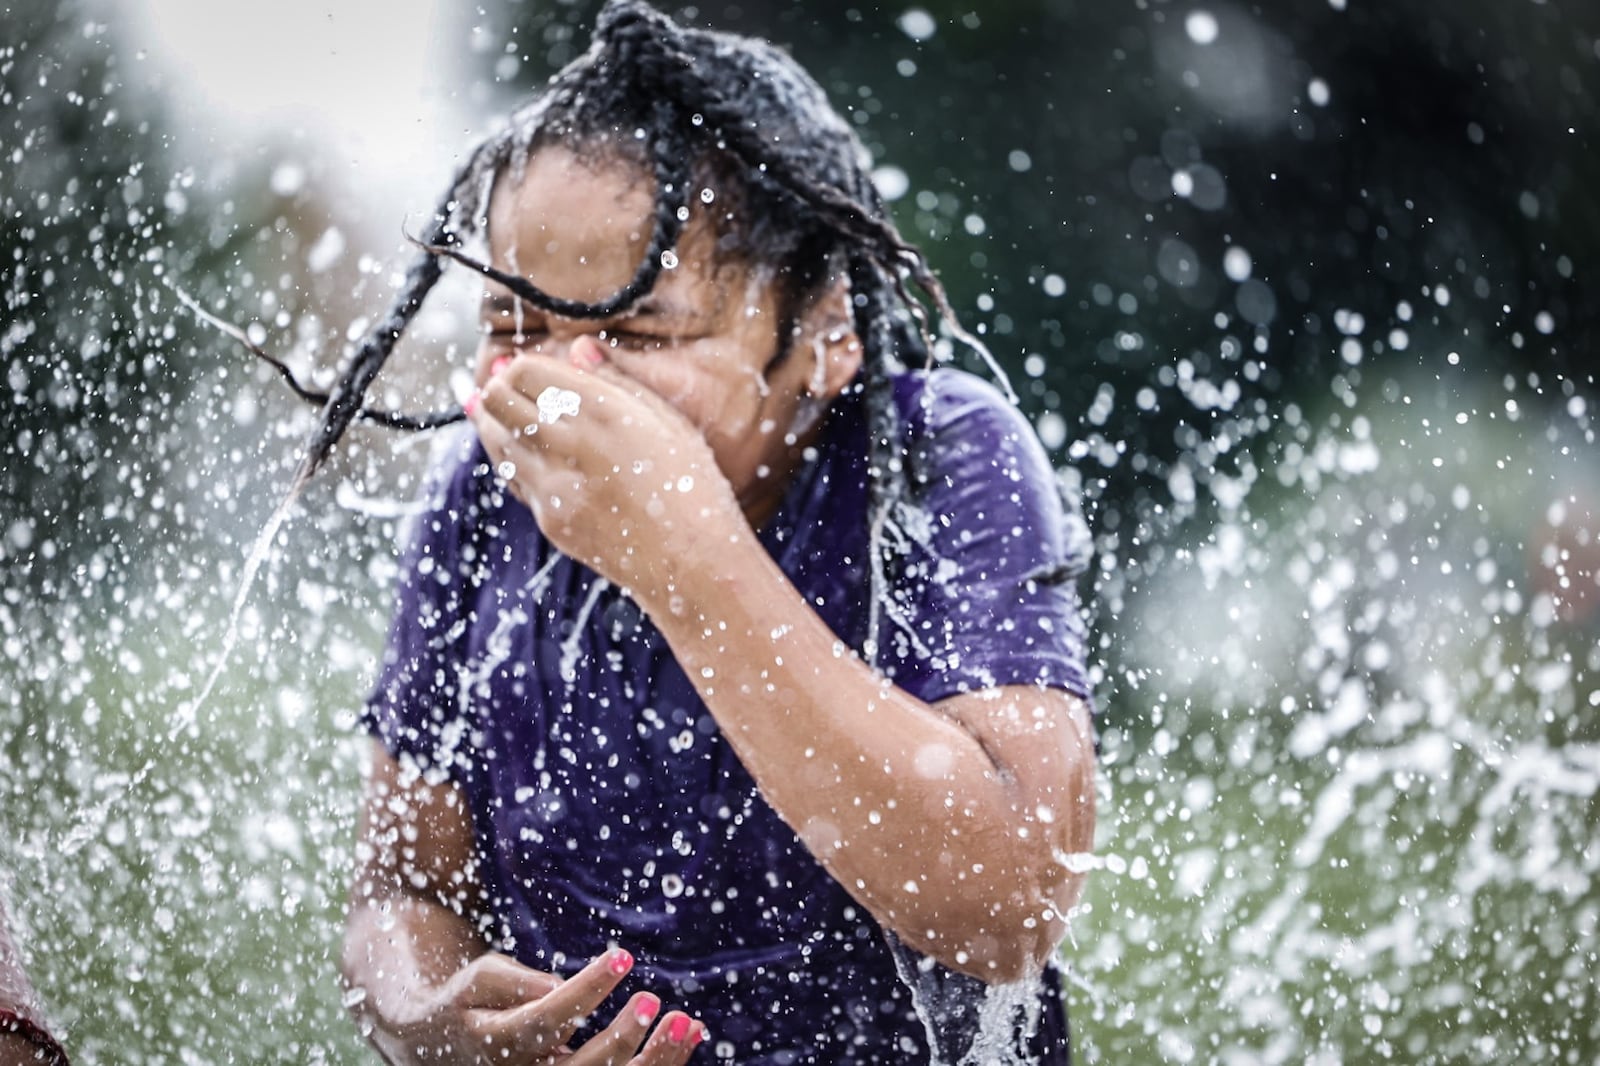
(735, 693)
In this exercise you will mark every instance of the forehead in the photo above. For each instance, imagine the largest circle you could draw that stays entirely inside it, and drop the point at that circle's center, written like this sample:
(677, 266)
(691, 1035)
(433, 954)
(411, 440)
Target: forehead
(577, 226)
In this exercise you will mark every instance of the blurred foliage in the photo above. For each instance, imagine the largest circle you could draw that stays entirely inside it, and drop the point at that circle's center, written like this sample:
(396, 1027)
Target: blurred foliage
(94, 213)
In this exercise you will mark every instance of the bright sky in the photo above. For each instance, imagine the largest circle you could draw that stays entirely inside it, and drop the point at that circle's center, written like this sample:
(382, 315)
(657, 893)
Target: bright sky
(359, 89)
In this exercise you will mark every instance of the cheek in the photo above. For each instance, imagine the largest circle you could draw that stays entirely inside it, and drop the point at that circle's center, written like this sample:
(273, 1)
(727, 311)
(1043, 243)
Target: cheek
(689, 397)
(679, 391)
(691, 384)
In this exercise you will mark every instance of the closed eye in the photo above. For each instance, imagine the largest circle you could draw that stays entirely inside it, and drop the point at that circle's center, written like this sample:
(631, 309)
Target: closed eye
(633, 340)
(512, 336)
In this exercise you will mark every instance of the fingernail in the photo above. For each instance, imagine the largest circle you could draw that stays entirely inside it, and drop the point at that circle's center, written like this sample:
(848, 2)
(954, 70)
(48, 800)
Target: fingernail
(700, 1035)
(470, 405)
(585, 354)
(499, 365)
(679, 1029)
(621, 962)
(645, 1010)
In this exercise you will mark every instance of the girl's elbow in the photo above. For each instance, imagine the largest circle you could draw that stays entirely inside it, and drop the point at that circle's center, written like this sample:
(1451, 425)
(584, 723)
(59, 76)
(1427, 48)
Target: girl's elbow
(999, 943)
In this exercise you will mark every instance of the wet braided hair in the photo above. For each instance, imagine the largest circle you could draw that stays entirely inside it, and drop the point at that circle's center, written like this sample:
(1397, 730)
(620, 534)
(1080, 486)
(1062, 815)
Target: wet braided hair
(690, 105)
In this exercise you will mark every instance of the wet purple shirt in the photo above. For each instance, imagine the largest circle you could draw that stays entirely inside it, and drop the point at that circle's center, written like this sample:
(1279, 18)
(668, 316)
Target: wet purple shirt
(608, 805)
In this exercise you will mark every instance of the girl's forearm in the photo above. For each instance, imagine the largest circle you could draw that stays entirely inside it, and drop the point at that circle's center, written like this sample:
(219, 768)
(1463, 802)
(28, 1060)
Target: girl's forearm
(945, 831)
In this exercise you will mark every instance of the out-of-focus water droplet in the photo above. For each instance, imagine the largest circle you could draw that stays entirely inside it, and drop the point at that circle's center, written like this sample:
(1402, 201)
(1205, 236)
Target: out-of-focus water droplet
(1236, 263)
(1201, 26)
(891, 182)
(917, 24)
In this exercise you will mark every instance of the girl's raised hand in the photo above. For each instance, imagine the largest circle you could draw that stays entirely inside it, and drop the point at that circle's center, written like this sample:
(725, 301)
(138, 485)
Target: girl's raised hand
(615, 476)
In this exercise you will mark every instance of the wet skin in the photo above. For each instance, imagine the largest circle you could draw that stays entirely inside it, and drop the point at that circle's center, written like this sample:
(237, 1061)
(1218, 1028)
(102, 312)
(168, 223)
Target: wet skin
(687, 432)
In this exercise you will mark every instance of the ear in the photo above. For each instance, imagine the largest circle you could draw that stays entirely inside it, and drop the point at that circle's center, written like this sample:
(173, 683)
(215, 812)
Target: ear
(827, 341)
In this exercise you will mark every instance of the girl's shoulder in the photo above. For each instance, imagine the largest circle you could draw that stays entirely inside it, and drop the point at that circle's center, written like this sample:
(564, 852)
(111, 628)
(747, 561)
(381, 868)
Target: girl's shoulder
(958, 425)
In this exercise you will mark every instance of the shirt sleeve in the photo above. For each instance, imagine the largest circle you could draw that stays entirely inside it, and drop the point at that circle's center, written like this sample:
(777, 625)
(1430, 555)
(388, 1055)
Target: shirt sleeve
(985, 591)
(417, 707)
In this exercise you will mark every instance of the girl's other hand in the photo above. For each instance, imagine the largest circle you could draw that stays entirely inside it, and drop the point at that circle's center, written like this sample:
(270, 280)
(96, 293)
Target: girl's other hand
(495, 1010)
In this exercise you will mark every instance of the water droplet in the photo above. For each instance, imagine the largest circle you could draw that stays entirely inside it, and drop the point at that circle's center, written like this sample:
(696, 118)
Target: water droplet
(891, 182)
(1236, 263)
(1201, 26)
(917, 24)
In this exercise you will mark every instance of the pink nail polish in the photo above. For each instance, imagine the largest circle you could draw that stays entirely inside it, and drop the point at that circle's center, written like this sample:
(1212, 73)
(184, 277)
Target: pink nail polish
(585, 354)
(700, 1035)
(470, 405)
(645, 1010)
(621, 962)
(499, 365)
(679, 1029)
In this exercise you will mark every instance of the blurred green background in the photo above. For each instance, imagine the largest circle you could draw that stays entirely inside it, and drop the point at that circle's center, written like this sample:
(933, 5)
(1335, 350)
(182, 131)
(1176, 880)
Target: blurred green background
(1300, 296)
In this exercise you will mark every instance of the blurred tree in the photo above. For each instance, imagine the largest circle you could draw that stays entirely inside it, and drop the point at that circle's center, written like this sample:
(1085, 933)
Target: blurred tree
(97, 361)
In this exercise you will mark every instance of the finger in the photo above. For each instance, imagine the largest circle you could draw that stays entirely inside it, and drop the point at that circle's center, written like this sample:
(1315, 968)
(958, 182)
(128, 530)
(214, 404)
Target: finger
(672, 1043)
(491, 361)
(498, 982)
(550, 1022)
(504, 401)
(607, 391)
(584, 369)
(618, 1042)
(501, 438)
(532, 407)
(586, 353)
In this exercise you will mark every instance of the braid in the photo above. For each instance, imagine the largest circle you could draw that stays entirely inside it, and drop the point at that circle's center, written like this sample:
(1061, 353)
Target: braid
(344, 402)
(887, 480)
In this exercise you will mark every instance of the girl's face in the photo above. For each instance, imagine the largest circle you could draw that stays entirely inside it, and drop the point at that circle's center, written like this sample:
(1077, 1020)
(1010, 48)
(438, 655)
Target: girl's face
(704, 339)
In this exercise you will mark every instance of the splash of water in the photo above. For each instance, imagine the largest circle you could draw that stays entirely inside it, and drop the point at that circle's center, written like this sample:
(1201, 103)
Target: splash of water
(188, 715)
(968, 1022)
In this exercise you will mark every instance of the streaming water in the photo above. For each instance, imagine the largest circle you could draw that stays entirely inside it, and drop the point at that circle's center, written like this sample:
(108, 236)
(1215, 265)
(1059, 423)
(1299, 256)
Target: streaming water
(968, 1022)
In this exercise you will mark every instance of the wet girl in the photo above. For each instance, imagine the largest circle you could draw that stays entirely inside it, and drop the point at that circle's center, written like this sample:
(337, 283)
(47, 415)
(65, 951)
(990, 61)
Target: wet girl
(734, 705)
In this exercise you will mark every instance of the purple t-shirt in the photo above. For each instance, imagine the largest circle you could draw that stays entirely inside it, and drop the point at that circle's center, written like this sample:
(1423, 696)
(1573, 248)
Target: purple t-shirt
(607, 804)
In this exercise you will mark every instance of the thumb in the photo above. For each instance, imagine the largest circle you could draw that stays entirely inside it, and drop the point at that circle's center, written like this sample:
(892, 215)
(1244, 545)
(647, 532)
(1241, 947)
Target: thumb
(499, 982)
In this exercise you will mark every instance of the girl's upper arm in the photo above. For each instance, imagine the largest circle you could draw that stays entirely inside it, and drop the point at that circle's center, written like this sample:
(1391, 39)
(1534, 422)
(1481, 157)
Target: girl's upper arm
(416, 832)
